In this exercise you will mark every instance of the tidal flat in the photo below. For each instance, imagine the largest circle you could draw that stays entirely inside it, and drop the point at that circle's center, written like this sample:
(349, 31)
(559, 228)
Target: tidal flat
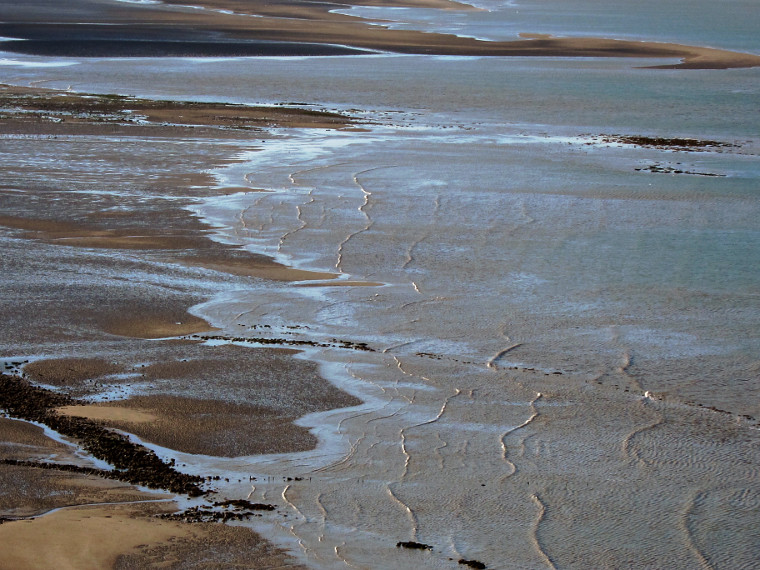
(461, 286)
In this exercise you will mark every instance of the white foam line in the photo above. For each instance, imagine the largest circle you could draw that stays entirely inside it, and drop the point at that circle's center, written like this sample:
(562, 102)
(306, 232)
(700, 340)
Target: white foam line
(290, 503)
(539, 519)
(407, 510)
(35, 64)
(84, 505)
(503, 438)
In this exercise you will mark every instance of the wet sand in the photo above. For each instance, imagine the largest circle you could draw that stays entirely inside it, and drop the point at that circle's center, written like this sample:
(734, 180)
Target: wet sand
(258, 394)
(564, 455)
(205, 427)
(174, 235)
(250, 266)
(116, 525)
(100, 326)
(29, 492)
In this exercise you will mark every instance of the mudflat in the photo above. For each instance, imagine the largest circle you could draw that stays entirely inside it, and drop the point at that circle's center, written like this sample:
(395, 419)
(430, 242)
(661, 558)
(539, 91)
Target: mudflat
(98, 333)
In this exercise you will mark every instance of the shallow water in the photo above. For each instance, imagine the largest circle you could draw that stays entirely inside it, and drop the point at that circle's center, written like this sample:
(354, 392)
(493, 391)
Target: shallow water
(679, 21)
(552, 322)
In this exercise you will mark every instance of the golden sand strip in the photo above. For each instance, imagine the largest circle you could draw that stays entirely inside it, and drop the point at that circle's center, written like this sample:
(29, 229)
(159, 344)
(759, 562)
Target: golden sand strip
(341, 284)
(94, 412)
(316, 25)
(255, 268)
(281, 8)
(691, 57)
(103, 536)
(143, 324)
(82, 538)
(285, 21)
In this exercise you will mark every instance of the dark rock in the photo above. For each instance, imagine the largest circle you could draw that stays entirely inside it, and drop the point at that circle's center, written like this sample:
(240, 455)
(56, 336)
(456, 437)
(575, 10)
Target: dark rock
(243, 504)
(414, 545)
(676, 143)
(472, 564)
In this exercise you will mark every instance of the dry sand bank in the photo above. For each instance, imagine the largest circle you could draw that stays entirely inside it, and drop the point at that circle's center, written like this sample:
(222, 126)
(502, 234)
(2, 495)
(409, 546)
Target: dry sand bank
(129, 536)
(107, 413)
(286, 28)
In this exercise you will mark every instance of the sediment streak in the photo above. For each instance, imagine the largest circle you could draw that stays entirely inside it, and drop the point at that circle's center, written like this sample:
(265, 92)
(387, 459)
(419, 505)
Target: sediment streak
(500, 354)
(503, 438)
(534, 536)
(626, 445)
(407, 510)
(363, 209)
(413, 245)
(300, 207)
(688, 536)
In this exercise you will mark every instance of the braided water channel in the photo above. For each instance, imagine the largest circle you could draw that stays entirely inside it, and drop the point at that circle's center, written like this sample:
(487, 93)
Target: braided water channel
(502, 403)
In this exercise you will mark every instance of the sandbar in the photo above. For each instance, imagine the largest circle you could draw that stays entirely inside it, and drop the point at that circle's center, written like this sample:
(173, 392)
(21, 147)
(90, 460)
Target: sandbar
(257, 396)
(294, 28)
(58, 112)
(198, 426)
(118, 415)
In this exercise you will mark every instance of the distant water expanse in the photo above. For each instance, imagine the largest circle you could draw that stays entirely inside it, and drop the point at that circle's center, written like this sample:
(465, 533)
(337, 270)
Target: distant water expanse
(729, 25)
(565, 316)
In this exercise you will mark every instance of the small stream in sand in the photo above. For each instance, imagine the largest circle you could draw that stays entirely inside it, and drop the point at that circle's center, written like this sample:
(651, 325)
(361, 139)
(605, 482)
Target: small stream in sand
(554, 324)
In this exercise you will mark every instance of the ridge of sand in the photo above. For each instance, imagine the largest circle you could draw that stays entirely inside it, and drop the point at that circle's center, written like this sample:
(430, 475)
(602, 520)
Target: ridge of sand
(94, 412)
(226, 28)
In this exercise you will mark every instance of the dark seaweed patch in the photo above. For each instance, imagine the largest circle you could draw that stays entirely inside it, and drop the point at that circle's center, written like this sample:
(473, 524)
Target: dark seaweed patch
(472, 564)
(665, 143)
(133, 463)
(414, 545)
(332, 343)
